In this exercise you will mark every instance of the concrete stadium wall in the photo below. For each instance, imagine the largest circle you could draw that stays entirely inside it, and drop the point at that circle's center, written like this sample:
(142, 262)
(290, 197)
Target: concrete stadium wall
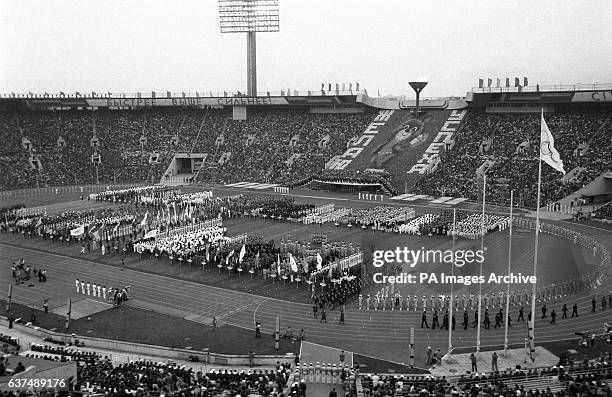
(140, 349)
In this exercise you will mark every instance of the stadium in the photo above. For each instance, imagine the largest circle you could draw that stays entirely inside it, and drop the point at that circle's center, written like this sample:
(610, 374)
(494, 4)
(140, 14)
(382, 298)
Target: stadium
(319, 242)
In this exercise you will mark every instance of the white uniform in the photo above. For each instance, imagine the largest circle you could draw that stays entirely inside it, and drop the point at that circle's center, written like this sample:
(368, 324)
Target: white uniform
(93, 289)
(78, 284)
(104, 292)
(88, 289)
(99, 291)
(83, 287)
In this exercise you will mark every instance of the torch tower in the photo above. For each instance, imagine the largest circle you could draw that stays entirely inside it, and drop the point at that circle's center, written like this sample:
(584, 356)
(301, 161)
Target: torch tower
(249, 16)
(418, 86)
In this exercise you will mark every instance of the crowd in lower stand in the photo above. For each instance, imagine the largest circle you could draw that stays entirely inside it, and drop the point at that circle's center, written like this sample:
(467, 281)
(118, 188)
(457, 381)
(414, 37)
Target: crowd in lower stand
(604, 212)
(102, 376)
(563, 379)
(99, 374)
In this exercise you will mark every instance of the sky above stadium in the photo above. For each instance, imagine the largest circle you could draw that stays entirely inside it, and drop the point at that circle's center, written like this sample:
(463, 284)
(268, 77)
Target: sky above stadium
(137, 45)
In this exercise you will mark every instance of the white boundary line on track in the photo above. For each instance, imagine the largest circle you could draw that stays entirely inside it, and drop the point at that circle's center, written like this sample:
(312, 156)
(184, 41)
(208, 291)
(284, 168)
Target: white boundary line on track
(255, 312)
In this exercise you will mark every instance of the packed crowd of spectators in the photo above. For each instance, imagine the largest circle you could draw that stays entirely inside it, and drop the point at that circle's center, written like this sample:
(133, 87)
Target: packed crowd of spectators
(604, 212)
(516, 168)
(289, 145)
(563, 379)
(100, 375)
(260, 146)
(138, 377)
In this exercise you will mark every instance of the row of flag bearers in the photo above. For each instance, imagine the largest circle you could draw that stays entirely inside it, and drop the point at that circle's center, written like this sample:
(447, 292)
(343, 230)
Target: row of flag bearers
(389, 301)
(100, 291)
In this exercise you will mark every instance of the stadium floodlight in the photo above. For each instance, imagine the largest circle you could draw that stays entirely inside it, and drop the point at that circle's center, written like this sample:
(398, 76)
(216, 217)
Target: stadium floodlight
(249, 16)
(418, 86)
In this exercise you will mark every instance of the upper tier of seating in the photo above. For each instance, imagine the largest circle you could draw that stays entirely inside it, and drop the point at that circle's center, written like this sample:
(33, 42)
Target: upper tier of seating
(272, 145)
(518, 169)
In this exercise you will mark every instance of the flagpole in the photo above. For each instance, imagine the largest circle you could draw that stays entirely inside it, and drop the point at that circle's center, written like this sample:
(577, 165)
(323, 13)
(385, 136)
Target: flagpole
(535, 254)
(484, 195)
(10, 298)
(509, 266)
(450, 316)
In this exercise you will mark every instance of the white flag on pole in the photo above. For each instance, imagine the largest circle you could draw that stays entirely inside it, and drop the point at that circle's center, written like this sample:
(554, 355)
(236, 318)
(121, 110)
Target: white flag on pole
(242, 253)
(319, 262)
(144, 220)
(293, 263)
(548, 152)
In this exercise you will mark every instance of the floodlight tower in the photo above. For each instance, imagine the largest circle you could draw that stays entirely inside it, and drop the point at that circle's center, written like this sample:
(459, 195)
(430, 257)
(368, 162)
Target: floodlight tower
(417, 86)
(249, 16)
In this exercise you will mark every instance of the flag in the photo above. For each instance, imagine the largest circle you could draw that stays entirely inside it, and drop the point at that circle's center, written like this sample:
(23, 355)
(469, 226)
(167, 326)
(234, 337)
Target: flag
(39, 222)
(379, 93)
(548, 153)
(319, 262)
(78, 231)
(115, 229)
(489, 81)
(507, 81)
(292, 263)
(242, 253)
(480, 83)
(305, 265)
(525, 81)
(151, 234)
(228, 257)
(144, 220)
(498, 82)
(357, 86)
(97, 235)
(278, 264)
(517, 82)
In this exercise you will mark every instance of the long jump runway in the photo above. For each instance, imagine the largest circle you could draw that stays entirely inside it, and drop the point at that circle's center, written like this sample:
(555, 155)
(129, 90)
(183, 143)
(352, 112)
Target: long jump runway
(381, 334)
